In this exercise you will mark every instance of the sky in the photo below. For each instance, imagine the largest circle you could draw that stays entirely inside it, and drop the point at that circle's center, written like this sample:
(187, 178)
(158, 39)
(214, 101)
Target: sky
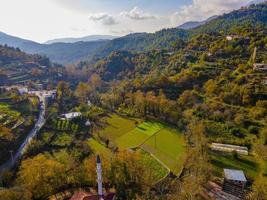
(42, 20)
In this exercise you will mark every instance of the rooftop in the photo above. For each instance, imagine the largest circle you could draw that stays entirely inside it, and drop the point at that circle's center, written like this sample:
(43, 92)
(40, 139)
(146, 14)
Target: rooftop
(236, 175)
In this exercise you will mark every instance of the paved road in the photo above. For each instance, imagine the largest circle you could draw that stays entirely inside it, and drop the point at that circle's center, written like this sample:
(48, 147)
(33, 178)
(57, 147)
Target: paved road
(40, 122)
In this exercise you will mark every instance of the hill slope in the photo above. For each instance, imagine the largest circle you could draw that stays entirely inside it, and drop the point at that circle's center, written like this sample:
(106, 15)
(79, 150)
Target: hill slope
(17, 67)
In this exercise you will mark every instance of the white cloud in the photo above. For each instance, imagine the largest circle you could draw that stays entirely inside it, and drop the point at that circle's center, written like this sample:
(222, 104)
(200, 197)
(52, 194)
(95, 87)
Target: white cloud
(103, 18)
(137, 14)
(203, 9)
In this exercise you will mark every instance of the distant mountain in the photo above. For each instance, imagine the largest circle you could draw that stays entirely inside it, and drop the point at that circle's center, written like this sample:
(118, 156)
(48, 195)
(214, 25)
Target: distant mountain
(194, 24)
(62, 53)
(81, 39)
(14, 41)
(256, 2)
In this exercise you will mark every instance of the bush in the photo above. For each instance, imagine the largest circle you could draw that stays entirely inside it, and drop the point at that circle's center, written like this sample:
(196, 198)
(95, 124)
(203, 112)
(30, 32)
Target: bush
(237, 132)
(253, 130)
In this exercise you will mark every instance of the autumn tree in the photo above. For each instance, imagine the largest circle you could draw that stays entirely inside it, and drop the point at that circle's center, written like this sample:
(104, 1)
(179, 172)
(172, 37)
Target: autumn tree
(41, 176)
(82, 92)
(64, 95)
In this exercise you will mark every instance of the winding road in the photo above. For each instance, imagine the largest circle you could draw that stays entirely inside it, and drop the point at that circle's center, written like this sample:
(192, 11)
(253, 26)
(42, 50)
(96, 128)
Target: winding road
(38, 125)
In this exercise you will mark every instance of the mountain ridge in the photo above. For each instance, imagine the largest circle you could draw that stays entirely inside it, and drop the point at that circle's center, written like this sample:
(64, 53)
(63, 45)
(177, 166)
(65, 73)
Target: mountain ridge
(88, 38)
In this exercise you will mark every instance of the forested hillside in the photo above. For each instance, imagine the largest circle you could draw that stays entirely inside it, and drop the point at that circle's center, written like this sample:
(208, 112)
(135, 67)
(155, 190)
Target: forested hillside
(253, 15)
(17, 66)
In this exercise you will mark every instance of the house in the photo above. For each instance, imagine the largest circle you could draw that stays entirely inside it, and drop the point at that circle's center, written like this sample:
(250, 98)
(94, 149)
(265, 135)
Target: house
(72, 115)
(234, 182)
(89, 196)
(260, 67)
(229, 148)
(232, 37)
(22, 90)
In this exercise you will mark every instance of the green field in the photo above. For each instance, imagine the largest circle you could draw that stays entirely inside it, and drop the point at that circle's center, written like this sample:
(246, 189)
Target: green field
(168, 145)
(115, 126)
(126, 133)
(246, 163)
(99, 148)
(138, 135)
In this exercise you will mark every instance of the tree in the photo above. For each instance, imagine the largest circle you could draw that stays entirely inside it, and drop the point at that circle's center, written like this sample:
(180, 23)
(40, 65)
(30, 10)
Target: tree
(64, 95)
(15, 194)
(41, 176)
(95, 81)
(5, 133)
(82, 92)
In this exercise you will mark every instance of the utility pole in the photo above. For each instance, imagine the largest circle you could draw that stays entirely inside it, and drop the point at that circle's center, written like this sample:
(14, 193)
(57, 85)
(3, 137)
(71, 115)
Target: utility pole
(254, 55)
(12, 158)
(155, 140)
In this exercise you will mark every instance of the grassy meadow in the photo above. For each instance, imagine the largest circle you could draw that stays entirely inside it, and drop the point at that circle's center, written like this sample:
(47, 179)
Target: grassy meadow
(128, 133)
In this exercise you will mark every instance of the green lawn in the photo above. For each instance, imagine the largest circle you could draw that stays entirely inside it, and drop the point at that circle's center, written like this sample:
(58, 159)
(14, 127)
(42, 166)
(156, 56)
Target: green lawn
(138, 135)
(115, 126)
(168, 146)
(99, 148)
(246, 163)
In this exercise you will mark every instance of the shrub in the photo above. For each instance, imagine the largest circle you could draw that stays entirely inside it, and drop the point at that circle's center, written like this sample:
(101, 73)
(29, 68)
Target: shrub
(253, 130)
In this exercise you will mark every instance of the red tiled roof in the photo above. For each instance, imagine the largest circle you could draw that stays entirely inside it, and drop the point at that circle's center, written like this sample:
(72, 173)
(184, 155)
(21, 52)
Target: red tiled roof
(109, 196)
(79, 195)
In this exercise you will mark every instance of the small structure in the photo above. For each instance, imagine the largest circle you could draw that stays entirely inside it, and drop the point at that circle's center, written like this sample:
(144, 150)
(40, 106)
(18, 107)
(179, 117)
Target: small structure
(260, 67)
(232, 37)
(88, 123)
(234, 182)
(22, 90)
(72, 115)
(229, 148)
(215, 192)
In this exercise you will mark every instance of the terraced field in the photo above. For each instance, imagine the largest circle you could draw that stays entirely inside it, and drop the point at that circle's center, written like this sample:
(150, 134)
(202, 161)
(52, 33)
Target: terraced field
(8, 116)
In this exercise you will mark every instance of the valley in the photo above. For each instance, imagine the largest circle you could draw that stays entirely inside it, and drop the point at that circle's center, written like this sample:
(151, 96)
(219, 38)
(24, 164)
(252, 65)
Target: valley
(176, 114)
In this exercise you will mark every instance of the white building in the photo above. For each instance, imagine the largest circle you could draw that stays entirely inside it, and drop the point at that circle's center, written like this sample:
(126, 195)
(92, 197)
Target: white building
(72, 115)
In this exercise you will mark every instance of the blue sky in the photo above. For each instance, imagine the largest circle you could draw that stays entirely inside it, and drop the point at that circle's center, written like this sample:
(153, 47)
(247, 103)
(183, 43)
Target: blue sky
(41, 20)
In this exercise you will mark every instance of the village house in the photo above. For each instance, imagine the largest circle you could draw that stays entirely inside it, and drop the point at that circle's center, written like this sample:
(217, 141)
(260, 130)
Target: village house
(234, 182)
(70, 116)
(232, 37)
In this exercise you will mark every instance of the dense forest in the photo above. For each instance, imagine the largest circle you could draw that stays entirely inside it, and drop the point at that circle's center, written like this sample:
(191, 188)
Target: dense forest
(198, 82)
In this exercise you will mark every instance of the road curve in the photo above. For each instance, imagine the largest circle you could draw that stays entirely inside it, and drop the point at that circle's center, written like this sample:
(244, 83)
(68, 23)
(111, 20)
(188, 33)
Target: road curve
(38, 125)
